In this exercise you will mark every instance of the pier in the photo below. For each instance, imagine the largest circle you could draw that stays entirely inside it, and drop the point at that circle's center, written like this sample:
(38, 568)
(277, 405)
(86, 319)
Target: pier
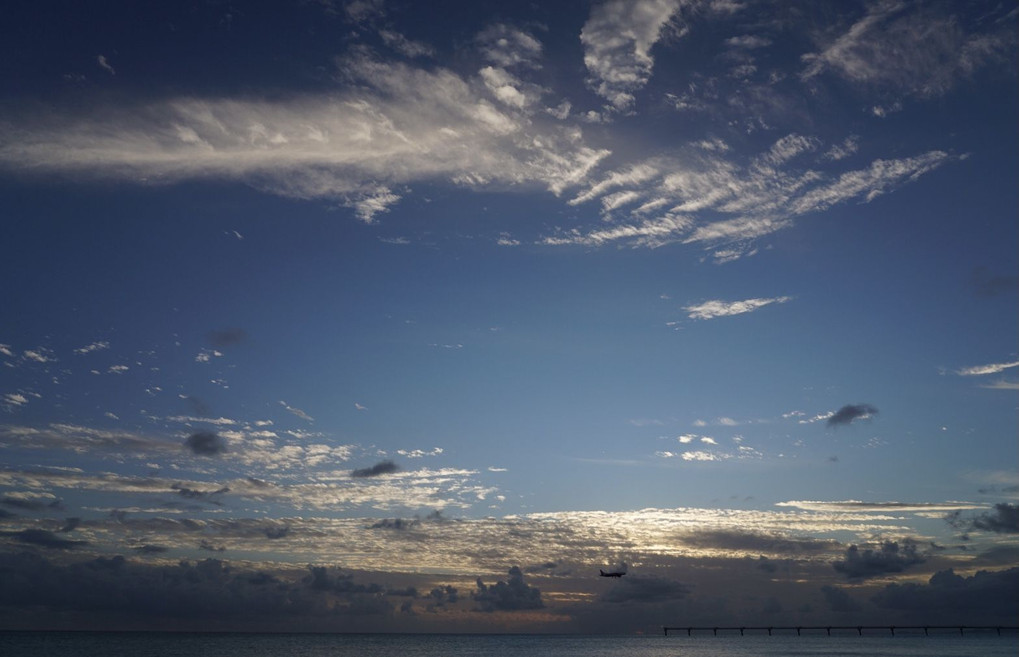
(828, 629)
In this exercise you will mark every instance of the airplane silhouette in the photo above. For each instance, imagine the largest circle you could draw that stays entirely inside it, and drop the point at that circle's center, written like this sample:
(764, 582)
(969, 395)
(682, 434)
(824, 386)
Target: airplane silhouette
(605, 574)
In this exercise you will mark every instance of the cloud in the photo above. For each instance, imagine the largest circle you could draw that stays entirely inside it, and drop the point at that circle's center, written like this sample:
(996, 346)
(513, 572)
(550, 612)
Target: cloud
(393, 125)
(985, 595)
(508, 46)
(296, 411)
(381, 468)
(643, 589)
(511, 595)
(889, 558)
(405, 46)
(205, 443)
(992, 368)
(46, 539)
(1003, 520)
(104, 64)
(850, 413)
(878, 507)
(909, 49)
(839, 600)
(14, 399)
(95, 346)
(717, 308)
(617, 39)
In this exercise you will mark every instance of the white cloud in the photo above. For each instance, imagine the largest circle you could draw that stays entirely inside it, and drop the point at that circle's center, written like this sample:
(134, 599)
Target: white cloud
(40, 355)
(908, 49)
(687, 438)
(748, 42)
(718, 308)
(95, 346)
(507, 46)
(118, 369)
(296, 411)
(405, 46)
(419, 453)
(5, 349)
(617, 38)
(708, 440)
(13, 399)
(992, 368)
(104, 64)
(703, 456)
(398, 125)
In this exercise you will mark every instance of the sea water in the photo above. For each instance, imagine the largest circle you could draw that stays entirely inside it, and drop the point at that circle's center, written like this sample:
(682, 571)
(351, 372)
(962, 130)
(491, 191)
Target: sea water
(168, 644)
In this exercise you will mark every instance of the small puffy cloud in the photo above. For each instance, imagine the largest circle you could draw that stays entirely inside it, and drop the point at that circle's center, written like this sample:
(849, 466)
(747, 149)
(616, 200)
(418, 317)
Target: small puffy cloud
(380, 468)
(419, 453)
(89, 348)
(105, 64)
(296, 411)
(508, 46)
(205, 443)
(40, 355)
(13, 400)
(511, 595)
(717, 308)
(850, 413)
(889, 558)
(117, 369)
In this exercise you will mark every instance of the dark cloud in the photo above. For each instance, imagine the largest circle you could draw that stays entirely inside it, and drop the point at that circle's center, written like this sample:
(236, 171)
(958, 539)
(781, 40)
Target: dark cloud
(409, 592)
(273, 533)
(32, 505)
(890, 558)
(398, 524)
(70, 525)
(46, 539)
(202, 495)
(210, 547)
(850, 413)
(645, 589)
(839, 600)
(726, 539)
(987, 284)
(7, 515)
(381, 468)
(198, 407)
(987, 596)
(440, 596)
(227, 337)
(205, 443)
(1003, 520)
(152, 549)
(511, 595)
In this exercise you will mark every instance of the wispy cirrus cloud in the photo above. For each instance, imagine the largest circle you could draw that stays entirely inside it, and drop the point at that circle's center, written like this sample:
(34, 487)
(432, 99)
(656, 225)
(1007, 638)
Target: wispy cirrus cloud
(717, 308)
(983, 370)
(910, 49)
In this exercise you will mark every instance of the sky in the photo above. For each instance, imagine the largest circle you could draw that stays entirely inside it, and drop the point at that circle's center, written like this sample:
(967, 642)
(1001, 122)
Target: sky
(397, 316)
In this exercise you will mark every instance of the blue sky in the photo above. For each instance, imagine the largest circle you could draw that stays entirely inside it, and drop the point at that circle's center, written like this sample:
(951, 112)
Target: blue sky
(386, 303)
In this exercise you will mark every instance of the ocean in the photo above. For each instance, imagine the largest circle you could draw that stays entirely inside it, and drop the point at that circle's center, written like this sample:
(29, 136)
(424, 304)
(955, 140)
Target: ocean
(169, 644)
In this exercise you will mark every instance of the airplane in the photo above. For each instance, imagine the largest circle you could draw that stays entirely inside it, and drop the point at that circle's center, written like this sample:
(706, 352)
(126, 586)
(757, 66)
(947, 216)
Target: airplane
(605, 574)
